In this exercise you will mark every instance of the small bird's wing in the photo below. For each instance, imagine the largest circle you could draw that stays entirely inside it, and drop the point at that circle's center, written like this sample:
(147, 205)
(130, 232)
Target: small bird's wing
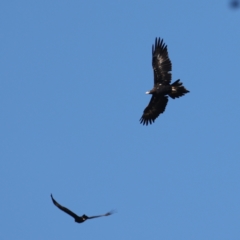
(103, 215)
(161, 63)
(156, 106)
(64, 209)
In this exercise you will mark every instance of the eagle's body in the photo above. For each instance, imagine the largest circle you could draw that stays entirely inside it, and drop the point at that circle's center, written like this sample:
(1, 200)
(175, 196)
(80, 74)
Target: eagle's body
(78, 219)
(162, 88)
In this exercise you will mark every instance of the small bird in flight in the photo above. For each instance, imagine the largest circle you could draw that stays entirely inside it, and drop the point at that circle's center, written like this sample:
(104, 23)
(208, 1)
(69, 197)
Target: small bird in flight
(162, 88)
(78, 219)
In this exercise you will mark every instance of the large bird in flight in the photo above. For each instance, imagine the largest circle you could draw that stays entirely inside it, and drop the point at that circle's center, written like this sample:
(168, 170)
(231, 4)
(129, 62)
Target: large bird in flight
(78, 219)
(162, 88)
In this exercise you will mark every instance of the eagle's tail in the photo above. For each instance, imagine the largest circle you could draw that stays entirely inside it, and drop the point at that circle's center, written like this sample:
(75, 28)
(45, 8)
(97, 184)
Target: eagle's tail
(178, 90)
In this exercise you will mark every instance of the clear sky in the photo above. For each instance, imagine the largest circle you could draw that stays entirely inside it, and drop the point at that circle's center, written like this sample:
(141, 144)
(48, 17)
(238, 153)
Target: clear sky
(72, 90)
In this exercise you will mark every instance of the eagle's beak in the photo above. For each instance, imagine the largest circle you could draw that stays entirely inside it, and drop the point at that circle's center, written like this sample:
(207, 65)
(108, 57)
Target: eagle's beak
(147, 92)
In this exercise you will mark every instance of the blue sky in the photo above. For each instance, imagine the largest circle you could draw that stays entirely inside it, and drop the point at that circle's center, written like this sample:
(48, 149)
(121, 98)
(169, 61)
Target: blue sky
(73, 81)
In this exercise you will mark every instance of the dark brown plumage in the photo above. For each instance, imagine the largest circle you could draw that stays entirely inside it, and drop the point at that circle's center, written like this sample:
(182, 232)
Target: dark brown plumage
(78, 219)
(162, 88)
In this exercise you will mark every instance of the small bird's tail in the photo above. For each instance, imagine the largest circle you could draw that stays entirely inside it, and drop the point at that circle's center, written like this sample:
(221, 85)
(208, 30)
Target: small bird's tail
(178, 90)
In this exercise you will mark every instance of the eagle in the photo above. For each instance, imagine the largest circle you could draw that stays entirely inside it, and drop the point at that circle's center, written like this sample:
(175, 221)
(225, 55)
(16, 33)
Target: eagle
(78, 219)
(162, 88)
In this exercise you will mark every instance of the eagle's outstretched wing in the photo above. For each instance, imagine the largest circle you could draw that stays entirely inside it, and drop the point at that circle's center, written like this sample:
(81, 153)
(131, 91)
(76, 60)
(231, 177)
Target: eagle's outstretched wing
(161, 63)
(66, 210)
(156, 106)
(103, 215)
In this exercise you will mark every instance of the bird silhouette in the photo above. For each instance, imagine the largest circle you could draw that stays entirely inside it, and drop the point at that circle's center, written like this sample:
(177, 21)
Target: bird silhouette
(78, 219)
(162, 88)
